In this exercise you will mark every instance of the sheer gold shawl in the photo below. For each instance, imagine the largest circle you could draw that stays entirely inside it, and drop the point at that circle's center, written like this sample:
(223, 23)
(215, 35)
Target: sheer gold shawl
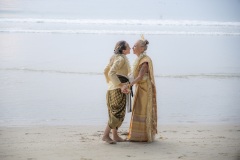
(151, 121)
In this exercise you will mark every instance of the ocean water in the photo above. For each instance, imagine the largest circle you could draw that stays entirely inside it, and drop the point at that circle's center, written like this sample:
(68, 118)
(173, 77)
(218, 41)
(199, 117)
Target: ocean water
(53, 53)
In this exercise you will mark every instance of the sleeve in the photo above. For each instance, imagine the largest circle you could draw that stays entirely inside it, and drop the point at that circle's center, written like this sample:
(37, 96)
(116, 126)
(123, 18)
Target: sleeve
(107, 68)
(117, 64)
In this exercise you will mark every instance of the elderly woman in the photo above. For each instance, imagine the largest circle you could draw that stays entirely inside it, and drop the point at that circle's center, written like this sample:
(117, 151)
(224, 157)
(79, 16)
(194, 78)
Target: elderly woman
(116, 97)
(143, 125)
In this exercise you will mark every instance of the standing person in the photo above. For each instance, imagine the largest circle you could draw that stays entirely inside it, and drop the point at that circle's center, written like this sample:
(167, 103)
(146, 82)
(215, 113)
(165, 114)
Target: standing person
(116, 98)
(143, 125)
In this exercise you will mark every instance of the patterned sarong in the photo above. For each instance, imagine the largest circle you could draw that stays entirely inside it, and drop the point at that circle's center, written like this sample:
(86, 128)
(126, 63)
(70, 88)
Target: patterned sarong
(116, 102)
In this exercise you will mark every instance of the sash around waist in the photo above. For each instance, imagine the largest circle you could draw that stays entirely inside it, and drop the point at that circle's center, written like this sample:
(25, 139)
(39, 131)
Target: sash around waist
(123, 79)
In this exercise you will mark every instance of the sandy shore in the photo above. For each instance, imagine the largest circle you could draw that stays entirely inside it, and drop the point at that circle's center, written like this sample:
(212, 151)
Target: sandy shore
(193, 142)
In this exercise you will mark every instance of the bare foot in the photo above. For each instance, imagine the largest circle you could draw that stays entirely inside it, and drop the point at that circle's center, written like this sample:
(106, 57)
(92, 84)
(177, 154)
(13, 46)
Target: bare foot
(108, 140)
(118, 139)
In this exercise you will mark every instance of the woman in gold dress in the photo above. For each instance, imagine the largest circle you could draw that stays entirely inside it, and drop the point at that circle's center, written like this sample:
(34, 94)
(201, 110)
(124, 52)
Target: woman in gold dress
(143, 125)
(116, 97)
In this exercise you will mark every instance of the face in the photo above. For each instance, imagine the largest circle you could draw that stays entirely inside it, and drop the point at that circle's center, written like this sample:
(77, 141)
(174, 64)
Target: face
(137, 48)
(127, 51)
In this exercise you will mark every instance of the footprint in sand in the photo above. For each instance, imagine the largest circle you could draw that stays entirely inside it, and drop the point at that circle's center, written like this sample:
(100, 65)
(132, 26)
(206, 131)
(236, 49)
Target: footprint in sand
(129, 156)
(223, 154)
(84, 139)
(96, 134)
(183, 156)
(171, 131)
(222, 137)
(85, 159)
(78, 134)
(31, 133)
(163, 138)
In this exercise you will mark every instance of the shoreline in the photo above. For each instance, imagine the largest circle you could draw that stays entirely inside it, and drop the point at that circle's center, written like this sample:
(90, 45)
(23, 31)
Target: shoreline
(187, 141)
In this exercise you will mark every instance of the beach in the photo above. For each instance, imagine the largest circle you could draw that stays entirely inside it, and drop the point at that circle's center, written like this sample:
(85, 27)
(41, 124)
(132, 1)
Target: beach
(53, 91)
(188, 142)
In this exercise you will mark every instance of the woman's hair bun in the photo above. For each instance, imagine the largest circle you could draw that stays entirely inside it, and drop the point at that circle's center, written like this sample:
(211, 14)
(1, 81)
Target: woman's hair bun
(146, 42)
(120, 46)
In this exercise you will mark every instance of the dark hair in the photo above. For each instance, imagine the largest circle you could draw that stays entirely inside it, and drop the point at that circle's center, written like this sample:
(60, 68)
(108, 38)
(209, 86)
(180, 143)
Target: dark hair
(144, 43)
(120, 46)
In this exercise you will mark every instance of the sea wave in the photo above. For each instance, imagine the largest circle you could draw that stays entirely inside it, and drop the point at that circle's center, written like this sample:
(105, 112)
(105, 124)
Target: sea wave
(123, 22)
(49, 71)
(124, 32)
(184, 76)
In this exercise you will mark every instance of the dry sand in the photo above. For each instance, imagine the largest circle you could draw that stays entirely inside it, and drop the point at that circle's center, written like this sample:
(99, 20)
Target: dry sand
(190, 142)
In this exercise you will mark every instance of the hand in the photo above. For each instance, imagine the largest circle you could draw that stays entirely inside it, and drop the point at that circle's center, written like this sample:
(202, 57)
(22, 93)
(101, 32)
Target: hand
(125, 89)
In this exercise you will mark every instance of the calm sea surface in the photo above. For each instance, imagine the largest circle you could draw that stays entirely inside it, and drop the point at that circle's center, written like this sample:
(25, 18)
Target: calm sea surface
(53, 53)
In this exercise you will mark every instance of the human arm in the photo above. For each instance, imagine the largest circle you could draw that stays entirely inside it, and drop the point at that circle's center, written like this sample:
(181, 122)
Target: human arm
(142, 72)
(107, 68)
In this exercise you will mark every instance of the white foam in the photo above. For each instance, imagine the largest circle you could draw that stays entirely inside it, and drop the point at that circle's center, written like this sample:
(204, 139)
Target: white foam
(128, 32)
(185, 76)
(123, 22)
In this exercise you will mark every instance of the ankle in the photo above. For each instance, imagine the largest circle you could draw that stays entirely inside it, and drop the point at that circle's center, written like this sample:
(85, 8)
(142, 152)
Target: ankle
(106, 136)
(116, 137)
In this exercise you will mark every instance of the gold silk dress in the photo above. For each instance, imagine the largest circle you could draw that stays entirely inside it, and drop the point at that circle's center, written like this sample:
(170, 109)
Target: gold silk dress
(143, 125)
